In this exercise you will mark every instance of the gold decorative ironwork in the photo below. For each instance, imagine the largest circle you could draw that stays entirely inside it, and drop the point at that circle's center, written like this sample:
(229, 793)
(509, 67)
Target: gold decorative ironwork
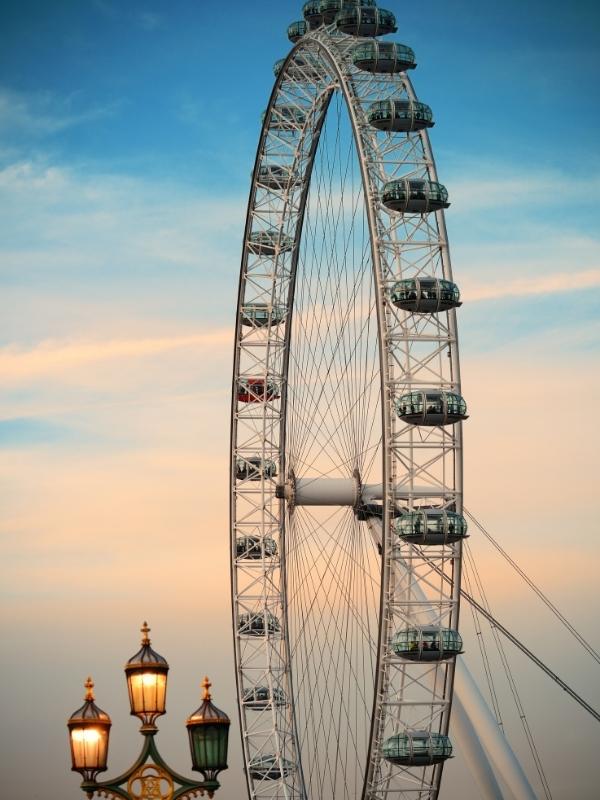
(151, 782)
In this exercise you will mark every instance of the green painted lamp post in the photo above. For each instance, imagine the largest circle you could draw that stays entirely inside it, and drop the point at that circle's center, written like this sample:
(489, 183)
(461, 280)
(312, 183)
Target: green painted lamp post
(150, 777)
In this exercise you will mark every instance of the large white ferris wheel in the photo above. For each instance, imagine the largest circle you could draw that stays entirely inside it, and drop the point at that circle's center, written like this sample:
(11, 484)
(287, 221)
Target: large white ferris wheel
(346, 470)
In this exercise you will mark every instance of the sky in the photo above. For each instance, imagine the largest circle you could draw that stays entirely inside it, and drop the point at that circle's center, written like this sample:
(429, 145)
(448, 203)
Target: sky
(127, 135)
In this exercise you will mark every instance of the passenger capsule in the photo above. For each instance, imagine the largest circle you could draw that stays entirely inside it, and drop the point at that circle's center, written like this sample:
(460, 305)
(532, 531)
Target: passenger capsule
(260, 697)
(427, 643)
(431, 407)
(257, 390)
(413, 196)
(330, 8)
(312, 14)
(285, 118)
(259, 624)
(255, 468)
(297, 30)
(255, 548)
(368, 510)
(431, 526)
(425, 295)
(386, 57)
(268, 243)
(274, 176)
(366, 21)
(262, 315)
(400, 116)
(270, 768)
(417, 749)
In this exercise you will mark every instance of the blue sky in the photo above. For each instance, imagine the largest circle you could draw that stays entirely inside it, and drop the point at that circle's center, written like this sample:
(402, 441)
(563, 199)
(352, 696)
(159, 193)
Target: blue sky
(152, 88)
(127, 137)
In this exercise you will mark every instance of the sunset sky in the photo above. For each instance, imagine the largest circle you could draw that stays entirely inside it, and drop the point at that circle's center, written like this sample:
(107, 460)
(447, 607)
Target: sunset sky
(127, 136)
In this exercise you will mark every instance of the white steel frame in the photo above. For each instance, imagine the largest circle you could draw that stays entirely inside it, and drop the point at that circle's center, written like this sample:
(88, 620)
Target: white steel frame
(416, 351)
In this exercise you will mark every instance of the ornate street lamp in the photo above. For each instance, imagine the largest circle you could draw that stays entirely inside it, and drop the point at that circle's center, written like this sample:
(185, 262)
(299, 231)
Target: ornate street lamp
(208, 729)
(150, 776)
(89, 730)
(146, 673)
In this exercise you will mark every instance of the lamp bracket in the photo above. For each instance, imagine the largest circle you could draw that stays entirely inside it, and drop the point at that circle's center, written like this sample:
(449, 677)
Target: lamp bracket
(150, 778)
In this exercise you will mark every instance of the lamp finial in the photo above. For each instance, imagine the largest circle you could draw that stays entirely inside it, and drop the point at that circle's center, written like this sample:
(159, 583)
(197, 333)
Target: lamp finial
(89, 690)
(145, 631)
(206, 684)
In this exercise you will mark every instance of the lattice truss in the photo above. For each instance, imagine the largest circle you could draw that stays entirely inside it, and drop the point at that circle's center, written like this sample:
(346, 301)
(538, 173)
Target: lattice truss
(314, 723)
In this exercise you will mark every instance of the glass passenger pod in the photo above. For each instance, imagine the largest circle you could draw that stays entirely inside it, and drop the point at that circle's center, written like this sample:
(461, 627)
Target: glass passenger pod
(431, 407)
(278, 66)
(329, 8)
(270, 768)
(297, 30)
(255, 548)
(366, 21)
(383, 57)
(262, 315)
(274, 176)
(427, 643)
(431, 526)
(259, 698)
(425, 295)
(417, 749)
(270, 242)
(285, 118)
(400, 116)
(257, 390)
(312, 14)
(255, 468)
(260, 624)
(369, 510)
(412, 196)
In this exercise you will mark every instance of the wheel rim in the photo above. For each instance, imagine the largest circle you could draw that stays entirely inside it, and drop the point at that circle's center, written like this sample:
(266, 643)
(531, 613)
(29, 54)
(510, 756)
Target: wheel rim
(297, 429)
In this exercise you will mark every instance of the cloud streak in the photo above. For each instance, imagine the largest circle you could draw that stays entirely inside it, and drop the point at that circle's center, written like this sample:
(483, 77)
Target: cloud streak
(557, 283)
(40, 114)
(50, 357)
(149, 21)
(497, 186)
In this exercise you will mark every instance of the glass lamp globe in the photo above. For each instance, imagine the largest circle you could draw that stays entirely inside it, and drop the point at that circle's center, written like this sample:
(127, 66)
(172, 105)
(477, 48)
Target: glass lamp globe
(146, 673)
(208, 730)
(89, 730)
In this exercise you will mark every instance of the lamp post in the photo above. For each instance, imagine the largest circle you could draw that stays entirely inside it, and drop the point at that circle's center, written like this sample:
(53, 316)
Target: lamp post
(150, 777)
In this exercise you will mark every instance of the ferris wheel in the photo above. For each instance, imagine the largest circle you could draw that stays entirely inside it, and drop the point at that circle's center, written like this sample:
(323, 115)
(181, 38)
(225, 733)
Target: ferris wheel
(346, 463)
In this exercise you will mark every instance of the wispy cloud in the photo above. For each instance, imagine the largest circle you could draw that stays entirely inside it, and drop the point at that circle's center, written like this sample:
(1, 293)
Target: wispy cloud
(539, 285)
(49, 358)
(104, 227)
(149, 21)
(39, 114)
(494, 185)
(105, 8)
(23, 432)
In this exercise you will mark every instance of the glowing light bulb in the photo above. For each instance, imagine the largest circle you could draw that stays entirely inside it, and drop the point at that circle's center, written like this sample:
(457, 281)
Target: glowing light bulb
(87, 736)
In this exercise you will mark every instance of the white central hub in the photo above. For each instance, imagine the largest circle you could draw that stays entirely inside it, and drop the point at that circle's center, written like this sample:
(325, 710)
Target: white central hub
(351, 492)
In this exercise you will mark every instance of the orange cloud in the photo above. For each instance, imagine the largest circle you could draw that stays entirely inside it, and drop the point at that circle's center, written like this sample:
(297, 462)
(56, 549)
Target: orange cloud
(57, 357)
(539, 284)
